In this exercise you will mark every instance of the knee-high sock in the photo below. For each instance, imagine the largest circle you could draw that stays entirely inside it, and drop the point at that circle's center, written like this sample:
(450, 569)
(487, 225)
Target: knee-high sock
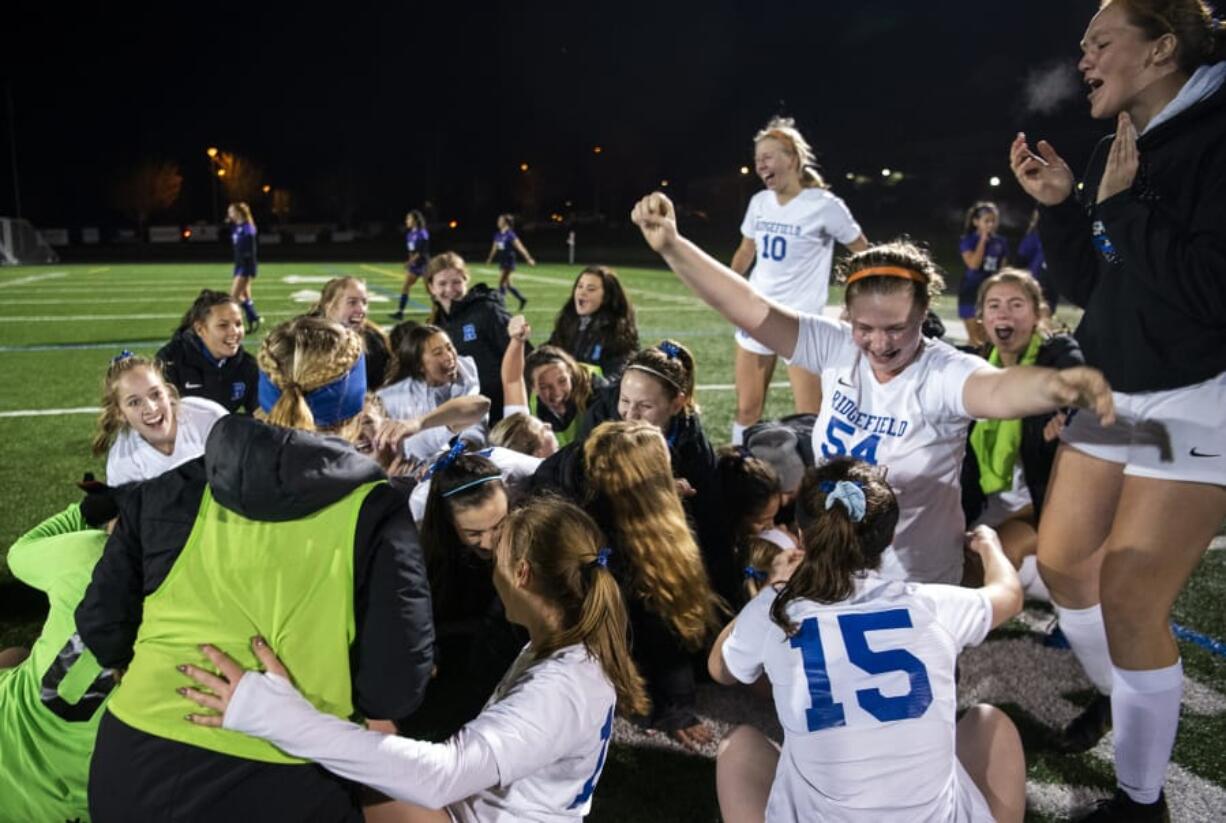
(738, 434)
(404, 300)
(515, 292)
(1145, 715)
(1088, 639)
(249, 310)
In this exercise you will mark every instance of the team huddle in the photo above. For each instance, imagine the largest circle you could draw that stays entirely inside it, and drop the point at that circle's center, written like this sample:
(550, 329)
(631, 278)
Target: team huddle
(414, 574)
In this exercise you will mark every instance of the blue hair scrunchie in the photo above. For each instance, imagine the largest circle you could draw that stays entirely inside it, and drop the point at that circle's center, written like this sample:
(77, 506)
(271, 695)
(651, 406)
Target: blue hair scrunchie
(755, 574)
(602, 557)
(457, 448)
(331, 403)
(123, 355)
(850, 494)
(671, 350)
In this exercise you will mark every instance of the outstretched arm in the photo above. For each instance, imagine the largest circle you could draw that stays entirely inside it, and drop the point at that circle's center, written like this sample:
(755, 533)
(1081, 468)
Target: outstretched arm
(514, 390)
(519, 247)
(1022, 391)
(719, 286)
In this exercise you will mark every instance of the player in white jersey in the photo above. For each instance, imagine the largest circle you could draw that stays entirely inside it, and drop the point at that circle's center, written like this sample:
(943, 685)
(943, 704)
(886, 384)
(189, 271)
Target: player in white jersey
(788, 236)
(891, 396)
(537, 749)
(144, 428)
(862, 672)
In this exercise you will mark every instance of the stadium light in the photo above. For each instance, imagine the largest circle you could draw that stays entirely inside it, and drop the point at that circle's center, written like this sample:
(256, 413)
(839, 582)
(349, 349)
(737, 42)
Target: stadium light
(221, 172)
(597, 149)
(211, 151)
(664, 184)
(993, 181)
(851, 175)
(267, 188)
(523, 166)
(885, 172)
(744, 169)
(453, 224)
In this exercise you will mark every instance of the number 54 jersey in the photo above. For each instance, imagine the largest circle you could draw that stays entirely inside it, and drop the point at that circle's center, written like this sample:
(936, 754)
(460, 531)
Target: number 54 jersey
(865, 692)
(913, 425)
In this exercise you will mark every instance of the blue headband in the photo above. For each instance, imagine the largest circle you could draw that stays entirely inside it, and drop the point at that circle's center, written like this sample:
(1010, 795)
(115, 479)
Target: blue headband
(480, 481)
(330, 404)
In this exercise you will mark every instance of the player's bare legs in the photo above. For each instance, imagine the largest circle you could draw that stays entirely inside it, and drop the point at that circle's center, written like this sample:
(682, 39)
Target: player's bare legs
(744, 771)
(753, 376)
(806, 390)
(990, 749)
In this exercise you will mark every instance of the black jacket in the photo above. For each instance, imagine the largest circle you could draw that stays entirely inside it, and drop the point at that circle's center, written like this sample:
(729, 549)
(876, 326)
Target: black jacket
(1153, 280)
(596, 345)
(234, 384)
(1060, 351)
(271, 474)
(477, 325)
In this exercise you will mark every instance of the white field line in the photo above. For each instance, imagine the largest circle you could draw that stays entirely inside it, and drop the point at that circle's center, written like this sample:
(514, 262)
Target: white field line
(51, 318)
(33, 278)
(566, 284)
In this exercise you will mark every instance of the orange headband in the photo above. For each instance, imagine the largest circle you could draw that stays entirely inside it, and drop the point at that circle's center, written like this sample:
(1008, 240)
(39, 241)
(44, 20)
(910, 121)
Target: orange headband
(887, 271)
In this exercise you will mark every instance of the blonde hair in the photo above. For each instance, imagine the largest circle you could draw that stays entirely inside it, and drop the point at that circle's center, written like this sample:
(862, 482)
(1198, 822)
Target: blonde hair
(794, 144)
(519, 432)
(244, 211)
(438, 263)
(301, 355)
(111, 420)
(758, 555)
(561, 544)
(627, 463)
(332, 292)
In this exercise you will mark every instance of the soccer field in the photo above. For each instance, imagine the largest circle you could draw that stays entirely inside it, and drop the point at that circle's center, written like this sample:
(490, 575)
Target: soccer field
(60, 326)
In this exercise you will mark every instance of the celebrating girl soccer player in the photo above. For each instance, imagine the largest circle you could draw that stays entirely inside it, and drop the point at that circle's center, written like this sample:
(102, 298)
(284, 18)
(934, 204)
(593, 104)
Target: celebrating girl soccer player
(144, 428)
(788, 237)
(862, 673)
(244, 238)
(536, 751)
(890, 396)
(1140, 244)
(345, 300)
(206, 358)
(548, 383)
(506, 244)
(596, 325)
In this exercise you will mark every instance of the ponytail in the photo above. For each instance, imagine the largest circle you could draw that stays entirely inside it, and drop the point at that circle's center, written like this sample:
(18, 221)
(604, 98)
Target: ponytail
(561, 545)
(847, 514)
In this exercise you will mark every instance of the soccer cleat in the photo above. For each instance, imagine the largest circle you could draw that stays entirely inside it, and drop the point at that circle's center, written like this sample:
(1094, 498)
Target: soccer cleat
(523, 301)
(254, 325)
(397, 315)
(1120, 808)
(1086, 729)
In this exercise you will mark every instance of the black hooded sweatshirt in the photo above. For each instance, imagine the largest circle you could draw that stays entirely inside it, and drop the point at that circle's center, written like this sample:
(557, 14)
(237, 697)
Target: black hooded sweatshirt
(477, 326)
(271, 474)
(233, 384)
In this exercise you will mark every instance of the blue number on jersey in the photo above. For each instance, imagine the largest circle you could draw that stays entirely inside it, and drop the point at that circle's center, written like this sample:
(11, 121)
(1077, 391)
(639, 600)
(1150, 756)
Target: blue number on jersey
(606, 732)
(823, 712)
(774, 247)
(834, 446)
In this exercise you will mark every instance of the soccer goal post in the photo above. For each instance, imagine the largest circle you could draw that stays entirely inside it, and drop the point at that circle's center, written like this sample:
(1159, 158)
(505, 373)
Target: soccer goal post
(21, 244)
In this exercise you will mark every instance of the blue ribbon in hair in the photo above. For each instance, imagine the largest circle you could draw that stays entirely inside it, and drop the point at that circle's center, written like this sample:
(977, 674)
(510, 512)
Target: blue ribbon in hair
(849, 494)
(755, 574)
(123, 355)
(602, 557)
(331, 403)
(671, 350)
(457, 449)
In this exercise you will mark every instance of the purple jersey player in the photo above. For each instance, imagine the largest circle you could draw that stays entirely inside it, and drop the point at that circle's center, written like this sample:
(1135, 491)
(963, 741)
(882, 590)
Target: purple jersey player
(506, 244)
(984, 252)
(417, 246)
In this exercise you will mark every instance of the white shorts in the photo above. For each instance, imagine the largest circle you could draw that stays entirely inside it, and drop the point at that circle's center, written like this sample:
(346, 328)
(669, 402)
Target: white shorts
(970, 805)
(1178, 434)
(752, 346)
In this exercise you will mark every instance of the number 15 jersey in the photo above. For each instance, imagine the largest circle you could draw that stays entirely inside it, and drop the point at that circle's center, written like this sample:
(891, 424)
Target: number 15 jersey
(865, 693)
(795, 245)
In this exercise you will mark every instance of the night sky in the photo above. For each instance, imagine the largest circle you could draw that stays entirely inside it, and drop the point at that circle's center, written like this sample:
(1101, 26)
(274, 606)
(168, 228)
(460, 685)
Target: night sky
(367, 110)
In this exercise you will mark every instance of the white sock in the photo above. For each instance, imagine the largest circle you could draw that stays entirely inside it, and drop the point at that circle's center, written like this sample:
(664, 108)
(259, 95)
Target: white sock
(1088, 639)
(1145, 716)
(738, 434)
(1032, 583)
